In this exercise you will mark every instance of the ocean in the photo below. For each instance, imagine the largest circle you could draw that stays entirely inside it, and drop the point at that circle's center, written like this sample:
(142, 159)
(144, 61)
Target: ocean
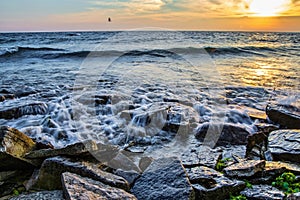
(143, 87)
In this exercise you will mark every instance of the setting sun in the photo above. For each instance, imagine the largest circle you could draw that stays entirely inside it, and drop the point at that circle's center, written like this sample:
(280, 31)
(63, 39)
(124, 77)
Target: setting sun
(268, 7)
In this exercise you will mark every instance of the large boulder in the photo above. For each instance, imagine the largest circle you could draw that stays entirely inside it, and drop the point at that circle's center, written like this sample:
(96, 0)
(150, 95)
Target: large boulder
(48, 177)
(284, 145)
(222, 134)
(17, 111)
(245, 168)
(265, 192)
(13, 146)
(165, 178)
(77, 187)
(210, 184)
(283, 117)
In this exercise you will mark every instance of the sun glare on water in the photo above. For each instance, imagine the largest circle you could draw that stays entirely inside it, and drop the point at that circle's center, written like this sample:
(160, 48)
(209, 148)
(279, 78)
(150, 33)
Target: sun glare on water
(266, 8)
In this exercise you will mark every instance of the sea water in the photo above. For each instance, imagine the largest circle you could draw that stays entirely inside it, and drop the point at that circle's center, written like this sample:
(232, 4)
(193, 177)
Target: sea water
(124, 87)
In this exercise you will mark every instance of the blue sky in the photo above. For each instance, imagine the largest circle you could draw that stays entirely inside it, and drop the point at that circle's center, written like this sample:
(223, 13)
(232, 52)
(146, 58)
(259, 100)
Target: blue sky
(40, 15)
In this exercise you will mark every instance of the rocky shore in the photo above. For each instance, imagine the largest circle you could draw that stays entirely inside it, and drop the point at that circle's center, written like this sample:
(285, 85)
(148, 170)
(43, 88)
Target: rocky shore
(240, 166)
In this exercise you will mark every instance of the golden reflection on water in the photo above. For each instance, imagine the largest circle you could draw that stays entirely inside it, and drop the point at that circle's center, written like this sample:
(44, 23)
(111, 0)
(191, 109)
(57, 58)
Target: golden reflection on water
(264, 73)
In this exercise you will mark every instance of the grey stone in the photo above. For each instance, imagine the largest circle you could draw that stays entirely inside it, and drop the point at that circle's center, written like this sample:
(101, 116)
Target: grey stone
(165, 178)
(14, 112)
(43, 195)
(129, 176)
(295, 196)
(76, 149)
(210, 184)
(78, 187)
(283, 117)
(48, 177)
(265, 192)
(201, 156)
(284, 145)
(222, 134)
(246, 168)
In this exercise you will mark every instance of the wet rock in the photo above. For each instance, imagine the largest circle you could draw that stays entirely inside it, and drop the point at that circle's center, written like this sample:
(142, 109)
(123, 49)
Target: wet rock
(10, 162)
(222, 134)
(15, 142)
(13, 145)
(202, 156)
(210, 184)
(165, 178)
(43, 195)
(265, 192)
(48, 177)
(77, 187)
(12, 180)
(122, 161)
(246, 168)
(14, 112)
(284, 145)
(273, 170)
(295, 196)
(234, 151)
(257, 145)
(283, 117)
(4, 97)
(129, 176)
(77, 149)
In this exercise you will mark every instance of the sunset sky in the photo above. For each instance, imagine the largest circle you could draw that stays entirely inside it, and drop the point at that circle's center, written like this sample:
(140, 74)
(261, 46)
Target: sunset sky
(59, 15)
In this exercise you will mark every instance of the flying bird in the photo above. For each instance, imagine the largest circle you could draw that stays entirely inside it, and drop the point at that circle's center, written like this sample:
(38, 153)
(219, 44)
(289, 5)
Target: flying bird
(109, 19)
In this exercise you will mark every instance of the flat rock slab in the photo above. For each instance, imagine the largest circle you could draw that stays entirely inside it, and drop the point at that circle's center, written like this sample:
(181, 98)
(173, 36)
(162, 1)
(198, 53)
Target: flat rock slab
(43, 195)
(284, 145)
(49, 174)
(265, 192)
(10, 162)
(222, 134)
(245, 168)
(78, 187)
(202, 156)
(70, 150)
(210, 184)
(283, 117)
(165, 178)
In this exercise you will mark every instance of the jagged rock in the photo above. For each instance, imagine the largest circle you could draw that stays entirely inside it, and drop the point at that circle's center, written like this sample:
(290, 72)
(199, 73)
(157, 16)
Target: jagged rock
(129, 176)
(13, 145)
(15, 142)
(257, 145)
(210, 184)
(14, 112)
(202, 156)
(283, 117)
(76, 149)
(43, 195)
(165, 178)
(265, 192)
(295, 196)
(48, 177)
(4, 97)
(122, 161)
(77, 187)
(12, 180)
(284, 145)
(222, 134)
(245, 168)
(10, 162)
(273, 170)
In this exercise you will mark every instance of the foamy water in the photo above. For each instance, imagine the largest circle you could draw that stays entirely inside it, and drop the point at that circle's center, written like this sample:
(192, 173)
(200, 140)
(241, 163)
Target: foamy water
(143, 87)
